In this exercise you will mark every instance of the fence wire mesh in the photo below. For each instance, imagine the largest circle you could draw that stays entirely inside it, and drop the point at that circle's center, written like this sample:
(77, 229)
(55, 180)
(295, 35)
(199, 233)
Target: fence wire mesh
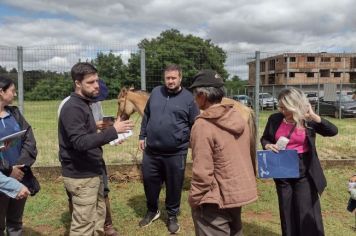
(46, 81)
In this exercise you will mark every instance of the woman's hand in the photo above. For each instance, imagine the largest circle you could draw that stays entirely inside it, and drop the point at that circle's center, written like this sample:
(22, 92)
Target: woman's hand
(17, 173)
(272, 147)
(5, 146)
(311, 116)
(24, 192)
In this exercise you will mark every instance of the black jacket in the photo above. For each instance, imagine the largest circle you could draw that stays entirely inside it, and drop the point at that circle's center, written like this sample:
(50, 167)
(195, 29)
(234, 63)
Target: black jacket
(28, 149)
(167, 121)
(324, 128)
(80, 151)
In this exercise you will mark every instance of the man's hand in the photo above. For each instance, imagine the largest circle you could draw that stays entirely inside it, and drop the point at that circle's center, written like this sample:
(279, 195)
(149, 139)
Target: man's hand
(142, 145)
(24, 192)
(103, 124)
(123, 126)
(17, 173)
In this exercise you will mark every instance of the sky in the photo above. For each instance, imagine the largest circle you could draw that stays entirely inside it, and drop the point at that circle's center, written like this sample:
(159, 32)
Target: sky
(241, 26)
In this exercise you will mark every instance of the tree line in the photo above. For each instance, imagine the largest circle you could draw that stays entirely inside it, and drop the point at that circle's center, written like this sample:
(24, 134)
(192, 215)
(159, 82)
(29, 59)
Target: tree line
(192, 53)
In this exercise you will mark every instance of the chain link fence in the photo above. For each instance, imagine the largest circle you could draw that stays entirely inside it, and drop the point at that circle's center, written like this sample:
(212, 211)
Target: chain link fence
(42, 77)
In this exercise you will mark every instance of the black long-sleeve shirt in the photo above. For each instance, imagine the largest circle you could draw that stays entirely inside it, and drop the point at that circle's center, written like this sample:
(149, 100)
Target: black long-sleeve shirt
(80, 151)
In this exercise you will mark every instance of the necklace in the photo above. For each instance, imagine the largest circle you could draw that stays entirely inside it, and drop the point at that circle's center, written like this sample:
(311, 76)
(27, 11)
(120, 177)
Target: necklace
(288, 122)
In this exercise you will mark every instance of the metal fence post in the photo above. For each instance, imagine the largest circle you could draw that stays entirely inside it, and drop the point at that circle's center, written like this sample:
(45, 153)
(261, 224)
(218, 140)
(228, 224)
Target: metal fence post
(143, 69)
(341, 79)
(318, 103)
(20, 78)
(257, 92)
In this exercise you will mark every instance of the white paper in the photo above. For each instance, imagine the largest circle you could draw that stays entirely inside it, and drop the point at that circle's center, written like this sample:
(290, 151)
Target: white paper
(121, 137)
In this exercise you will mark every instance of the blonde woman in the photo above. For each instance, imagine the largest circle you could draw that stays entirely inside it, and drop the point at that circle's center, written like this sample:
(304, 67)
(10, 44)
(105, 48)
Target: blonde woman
(298, 198)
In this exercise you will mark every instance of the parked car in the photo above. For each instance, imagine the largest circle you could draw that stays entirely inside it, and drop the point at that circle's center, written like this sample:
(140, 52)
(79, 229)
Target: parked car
(348, 107)
(244, 99)
(312, 97)
(266, 100)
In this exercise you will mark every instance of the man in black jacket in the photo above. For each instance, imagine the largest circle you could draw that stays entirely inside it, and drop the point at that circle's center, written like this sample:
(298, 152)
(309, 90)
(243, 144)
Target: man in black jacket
(80, 152)
(165, 131)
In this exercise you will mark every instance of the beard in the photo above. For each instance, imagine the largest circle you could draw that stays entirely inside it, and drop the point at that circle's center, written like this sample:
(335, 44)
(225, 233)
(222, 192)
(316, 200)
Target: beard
(90, 95)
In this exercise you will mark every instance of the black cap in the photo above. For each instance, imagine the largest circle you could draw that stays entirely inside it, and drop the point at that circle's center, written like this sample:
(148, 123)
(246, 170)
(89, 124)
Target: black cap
(207, 78)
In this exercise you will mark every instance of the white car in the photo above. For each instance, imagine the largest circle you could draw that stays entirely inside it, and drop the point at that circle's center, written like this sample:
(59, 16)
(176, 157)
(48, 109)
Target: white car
(266, 100)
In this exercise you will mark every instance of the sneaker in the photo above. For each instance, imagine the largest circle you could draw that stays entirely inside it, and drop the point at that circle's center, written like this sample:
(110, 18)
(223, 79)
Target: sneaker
(172, 224)
(149, 218)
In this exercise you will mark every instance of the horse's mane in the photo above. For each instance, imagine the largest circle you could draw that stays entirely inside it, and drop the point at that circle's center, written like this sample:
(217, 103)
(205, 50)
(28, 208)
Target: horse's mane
(131, 89)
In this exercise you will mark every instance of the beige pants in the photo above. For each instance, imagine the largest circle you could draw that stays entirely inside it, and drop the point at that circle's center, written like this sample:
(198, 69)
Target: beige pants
(88, 205)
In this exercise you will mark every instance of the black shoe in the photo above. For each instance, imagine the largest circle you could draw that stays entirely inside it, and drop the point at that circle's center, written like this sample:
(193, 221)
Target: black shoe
(149, 218)
(172, 224)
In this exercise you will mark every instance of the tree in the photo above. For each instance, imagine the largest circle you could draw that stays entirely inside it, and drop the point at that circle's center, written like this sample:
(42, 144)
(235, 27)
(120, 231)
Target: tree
(235, 85)
(51, 87)
(112, 70)
(190, 52)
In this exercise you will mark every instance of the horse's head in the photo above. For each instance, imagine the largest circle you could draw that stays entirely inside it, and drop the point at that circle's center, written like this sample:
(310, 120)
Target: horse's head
(125, 106)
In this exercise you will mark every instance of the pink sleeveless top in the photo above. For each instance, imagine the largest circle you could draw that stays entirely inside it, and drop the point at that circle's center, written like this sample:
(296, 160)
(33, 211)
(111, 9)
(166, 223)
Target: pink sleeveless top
(297, 141)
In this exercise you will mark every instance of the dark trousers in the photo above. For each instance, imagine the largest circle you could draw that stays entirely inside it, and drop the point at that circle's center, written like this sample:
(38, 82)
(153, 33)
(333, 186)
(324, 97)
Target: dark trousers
(11, 211)
(209, 220)
(157, 170)
(299, 205)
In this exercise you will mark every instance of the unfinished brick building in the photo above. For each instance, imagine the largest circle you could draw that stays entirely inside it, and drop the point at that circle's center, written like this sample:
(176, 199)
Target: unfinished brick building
(305, 69)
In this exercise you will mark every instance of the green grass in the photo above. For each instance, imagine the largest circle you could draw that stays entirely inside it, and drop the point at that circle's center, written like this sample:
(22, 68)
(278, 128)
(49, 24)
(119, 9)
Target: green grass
(47, 212)
(42, 116)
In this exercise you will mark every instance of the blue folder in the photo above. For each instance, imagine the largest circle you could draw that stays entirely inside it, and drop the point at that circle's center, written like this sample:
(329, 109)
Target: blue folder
(284, 164)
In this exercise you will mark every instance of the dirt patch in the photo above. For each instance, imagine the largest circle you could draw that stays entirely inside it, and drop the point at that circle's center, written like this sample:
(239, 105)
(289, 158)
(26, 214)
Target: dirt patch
(258, 216)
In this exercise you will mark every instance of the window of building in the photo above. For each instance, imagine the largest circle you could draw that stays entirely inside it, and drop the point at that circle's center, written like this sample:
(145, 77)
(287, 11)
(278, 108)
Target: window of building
(325, 59)
(337, 74)
(337, 59)
(291, 59)
(271, 79)
(310, 75)
(310, 59)
(324, 73)
(271, 65)
(262, 66)
(353, 62)
(291, 74)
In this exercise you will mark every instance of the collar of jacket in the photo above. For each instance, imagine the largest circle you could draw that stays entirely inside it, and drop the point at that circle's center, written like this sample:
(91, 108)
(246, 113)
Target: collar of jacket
(85, 99)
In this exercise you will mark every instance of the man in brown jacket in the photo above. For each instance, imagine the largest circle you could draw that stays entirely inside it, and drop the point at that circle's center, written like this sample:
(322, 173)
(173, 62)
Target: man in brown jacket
(223, 177)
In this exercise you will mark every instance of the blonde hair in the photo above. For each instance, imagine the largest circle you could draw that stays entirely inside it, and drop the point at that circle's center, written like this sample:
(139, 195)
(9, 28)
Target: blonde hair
(296, 102)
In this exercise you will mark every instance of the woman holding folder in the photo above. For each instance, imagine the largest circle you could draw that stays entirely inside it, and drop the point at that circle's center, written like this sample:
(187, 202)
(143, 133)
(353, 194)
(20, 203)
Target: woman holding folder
(298, 198)
(20, 155)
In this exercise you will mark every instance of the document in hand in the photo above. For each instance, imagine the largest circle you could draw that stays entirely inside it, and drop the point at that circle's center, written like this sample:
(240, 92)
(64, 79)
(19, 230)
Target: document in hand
(11, 137)
(121, 137)
(284, 164)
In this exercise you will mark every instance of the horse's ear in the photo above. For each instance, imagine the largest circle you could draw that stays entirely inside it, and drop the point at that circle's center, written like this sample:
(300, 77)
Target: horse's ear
(132, 88)
(123, 92)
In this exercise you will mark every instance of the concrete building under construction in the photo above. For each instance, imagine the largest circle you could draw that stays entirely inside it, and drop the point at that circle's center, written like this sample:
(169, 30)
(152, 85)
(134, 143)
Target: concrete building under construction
(305, 69)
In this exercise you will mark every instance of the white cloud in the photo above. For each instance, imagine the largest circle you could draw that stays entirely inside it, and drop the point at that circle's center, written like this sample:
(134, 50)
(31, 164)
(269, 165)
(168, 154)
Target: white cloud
(242, 26)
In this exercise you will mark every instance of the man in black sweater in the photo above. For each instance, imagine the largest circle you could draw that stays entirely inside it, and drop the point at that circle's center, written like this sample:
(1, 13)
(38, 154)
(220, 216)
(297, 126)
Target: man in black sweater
(80, 152)
(165, 130)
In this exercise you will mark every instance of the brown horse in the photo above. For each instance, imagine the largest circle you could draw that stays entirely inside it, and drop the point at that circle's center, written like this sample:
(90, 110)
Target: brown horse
(130, 101)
